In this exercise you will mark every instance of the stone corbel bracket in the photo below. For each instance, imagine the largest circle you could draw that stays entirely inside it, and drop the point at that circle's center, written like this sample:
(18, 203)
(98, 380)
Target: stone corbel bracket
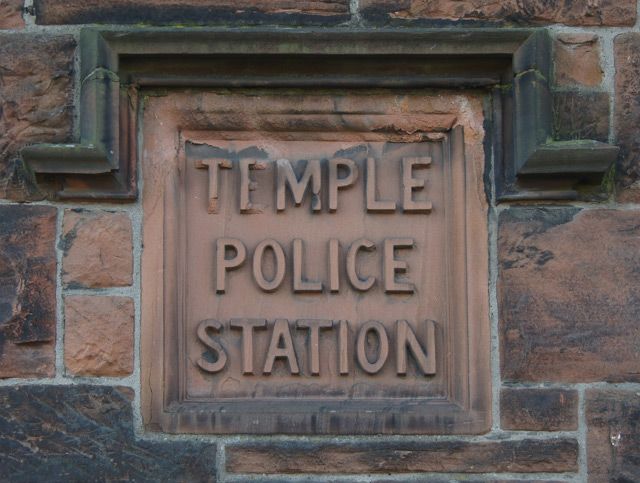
(512, 65)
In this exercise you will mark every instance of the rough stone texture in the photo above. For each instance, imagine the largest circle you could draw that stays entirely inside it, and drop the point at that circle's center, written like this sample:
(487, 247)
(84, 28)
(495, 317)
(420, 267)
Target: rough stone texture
(27, 291)
(85, 433)
(539, 409)
(191, 12)
(36, 82)
(568, 294)
(98, 336)
(98, 249)
(581, 115)
(430, 479)
(627, 115)
(559, 455)
(577, 60)
(11, 14)
(570, 12)
(613, 435)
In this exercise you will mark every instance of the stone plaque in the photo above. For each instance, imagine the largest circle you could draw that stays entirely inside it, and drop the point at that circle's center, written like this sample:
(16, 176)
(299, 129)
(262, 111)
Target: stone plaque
(315, 263)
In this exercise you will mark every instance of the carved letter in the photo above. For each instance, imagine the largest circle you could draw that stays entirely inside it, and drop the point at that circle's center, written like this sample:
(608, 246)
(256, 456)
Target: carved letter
(374, 205)
(343, 347)
(213, 165)
(405, 337)
(223, 263)
(383, 346)
(247, 326)
(411, 184)
(258, 276)
(312, 173)
(334, 265)
(359, 284)
(287, 351)
(300, 286)
(211, 343)
(314, 327)
(247, 185)
(336, 183)
(392, 266)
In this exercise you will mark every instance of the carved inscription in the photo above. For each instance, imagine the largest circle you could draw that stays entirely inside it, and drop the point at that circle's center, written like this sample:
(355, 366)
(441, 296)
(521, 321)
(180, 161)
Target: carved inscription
(231, 254)
(316, 186)
(281, 345)
(311, 182)
(314, 264)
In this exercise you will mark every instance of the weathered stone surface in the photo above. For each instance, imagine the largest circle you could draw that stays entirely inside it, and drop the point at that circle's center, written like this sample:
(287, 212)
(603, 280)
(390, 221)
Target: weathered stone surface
(627, 115)
(85, 433)
(568, 297)
(27, 291)
(581, 115)
(539, 409)
(506, 456)
(448, 480)
(268, 400)
(577, 60)
(11, 14)
(570, 12)
(613, 435)
(36, 81)
(98, 335)
(192, 12)
(98, 249)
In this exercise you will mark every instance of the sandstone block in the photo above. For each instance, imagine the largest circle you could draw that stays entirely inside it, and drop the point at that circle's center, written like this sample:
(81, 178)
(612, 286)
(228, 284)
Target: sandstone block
(567, 293)
(11, 14)
(98, 249)
(85, 433)
(569, 12)
(191, 12)
(627, 115)
(613, 435)
(539, 409)
(581, 115)
(27, 291)
(505, 456)
(448, 480)
(98, 337)
(577, 60)
(36, 93)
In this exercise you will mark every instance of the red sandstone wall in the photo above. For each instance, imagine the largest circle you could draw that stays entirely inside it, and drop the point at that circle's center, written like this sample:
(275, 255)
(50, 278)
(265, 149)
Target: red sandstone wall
(567, 292)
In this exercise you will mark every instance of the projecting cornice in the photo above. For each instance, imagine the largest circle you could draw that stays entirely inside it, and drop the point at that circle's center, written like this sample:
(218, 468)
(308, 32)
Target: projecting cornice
(513, 65)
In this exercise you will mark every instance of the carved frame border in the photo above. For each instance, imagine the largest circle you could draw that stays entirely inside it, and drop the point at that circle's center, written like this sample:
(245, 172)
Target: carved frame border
(465, 408)
(513, 64)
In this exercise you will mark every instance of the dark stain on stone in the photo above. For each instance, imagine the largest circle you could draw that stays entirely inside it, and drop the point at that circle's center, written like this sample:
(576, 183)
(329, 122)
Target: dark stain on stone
(66, 241)
(252, 152)
(521, 255)
(29, 298)
(17, 183)
(357, 153)
(544, 218)
(613, 420)
(207, 151)
(194, 14)
(487, 144)
(581, 115)
(85, 433)
(9, 289)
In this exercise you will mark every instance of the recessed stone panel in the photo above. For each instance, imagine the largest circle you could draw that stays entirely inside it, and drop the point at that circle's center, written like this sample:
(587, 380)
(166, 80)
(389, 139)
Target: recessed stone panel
(315, 263)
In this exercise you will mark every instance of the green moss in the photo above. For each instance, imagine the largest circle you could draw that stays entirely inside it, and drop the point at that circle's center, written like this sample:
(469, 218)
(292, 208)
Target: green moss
(609, 180)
